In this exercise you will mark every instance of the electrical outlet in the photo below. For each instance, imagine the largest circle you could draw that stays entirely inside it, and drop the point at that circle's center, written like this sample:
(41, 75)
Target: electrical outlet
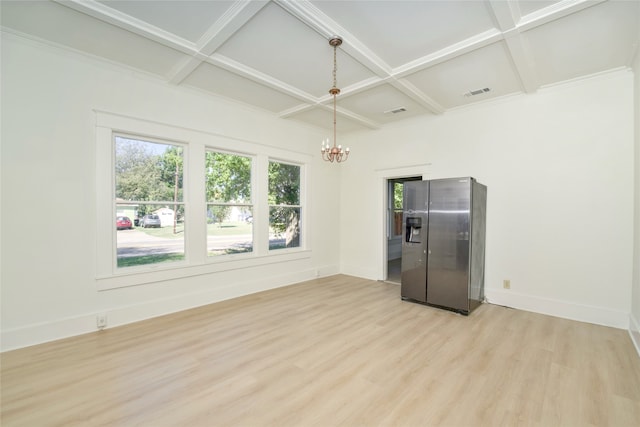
(101, 321)
(506, 283)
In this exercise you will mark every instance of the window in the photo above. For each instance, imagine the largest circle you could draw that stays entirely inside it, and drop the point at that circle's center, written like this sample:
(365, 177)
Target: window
(229, 207)
(148, 192)
(396, 203)
(187, 203)
(395, 191)
(284, 205)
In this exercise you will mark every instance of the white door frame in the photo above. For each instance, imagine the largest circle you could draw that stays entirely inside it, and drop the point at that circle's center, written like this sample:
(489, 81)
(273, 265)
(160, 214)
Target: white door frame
(383, 175)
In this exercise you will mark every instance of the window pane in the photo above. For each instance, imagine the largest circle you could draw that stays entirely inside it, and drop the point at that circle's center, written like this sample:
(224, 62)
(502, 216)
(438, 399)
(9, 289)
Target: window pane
(284, 227)
(228, 178)
(148, 189)
(397, 194)
(284, 184)
(284, 205)
(229, 229)
(155, 235)
(230, 220)
(148, 171)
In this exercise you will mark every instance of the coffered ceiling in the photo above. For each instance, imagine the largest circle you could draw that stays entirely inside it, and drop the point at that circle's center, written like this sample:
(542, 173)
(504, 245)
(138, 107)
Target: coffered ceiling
(423, 57)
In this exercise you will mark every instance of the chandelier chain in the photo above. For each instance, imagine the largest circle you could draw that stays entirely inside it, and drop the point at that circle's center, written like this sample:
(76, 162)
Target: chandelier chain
(335, 66)
(335, 86)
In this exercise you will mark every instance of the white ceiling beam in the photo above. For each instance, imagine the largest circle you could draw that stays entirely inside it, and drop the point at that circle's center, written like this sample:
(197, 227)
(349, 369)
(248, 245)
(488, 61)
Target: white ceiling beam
(129, 23)
(314, 18)
(354, 117)
(342, 112)
(507, 16)
(417, 95)
(183, 69)
(259, 77)
(290, 112)
(465, 46)
(522, 60)
(231, 21)
(553, 12)
(323, 103)
(357, 87)
(321, 23)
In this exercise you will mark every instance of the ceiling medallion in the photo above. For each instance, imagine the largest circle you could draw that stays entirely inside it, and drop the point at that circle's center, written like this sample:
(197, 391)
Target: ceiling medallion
(335, 153)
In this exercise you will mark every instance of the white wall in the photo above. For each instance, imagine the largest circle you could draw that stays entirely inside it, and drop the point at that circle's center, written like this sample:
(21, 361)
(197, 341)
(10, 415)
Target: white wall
(635, 298)
(49, 206)
(558, 165)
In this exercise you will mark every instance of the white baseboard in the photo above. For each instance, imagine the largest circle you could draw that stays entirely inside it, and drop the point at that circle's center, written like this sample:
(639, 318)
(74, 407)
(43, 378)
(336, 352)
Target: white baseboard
(567, 310)
(117, 316)
(634, 332)
(364, 273)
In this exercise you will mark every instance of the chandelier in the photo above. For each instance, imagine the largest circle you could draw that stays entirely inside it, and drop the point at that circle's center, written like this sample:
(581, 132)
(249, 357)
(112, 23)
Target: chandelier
(336, 153)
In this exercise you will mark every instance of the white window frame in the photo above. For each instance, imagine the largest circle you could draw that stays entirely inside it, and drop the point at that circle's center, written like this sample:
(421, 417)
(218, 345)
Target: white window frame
(196, 261)
(159, 203)
(392, 210)
(302, 205)
(228, 257)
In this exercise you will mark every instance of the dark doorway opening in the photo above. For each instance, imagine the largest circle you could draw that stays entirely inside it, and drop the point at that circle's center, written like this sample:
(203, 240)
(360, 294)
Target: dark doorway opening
(395, 188)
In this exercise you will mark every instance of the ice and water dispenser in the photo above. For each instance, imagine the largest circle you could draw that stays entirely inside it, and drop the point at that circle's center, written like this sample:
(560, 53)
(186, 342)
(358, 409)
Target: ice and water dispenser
(414, 229)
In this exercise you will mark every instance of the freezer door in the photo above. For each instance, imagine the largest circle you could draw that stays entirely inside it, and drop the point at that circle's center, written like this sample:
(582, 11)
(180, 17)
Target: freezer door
(415, 220)
(449, 232)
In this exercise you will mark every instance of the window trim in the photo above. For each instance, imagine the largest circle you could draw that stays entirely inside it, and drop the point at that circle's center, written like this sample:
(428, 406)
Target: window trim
(302, 206)
(233, 257)
(183, 202)
(195, 143)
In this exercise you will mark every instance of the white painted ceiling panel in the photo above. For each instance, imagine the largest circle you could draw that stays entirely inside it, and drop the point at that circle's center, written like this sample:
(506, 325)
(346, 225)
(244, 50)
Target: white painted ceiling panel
(320, 117)
(488, 67)
(218, 81)
(275, 55)
(530, 6)
(66, 27)
(399, 31)
(375, 102)
(289, 52)
(598, 38)
(187, 19)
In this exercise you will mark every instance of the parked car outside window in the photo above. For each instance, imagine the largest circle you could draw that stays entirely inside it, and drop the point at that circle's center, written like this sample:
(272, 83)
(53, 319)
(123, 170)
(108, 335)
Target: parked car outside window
(150, 221)
(123, 223)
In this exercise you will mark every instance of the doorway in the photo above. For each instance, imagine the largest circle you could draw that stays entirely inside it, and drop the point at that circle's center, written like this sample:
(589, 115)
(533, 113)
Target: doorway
(395, 188)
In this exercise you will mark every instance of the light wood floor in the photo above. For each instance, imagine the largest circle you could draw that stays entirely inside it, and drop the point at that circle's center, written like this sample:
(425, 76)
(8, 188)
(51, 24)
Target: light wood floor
(338, 351)
(394, 273)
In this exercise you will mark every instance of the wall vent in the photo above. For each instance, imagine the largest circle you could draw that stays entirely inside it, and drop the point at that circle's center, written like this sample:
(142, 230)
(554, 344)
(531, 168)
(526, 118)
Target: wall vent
(396, 110)
(477, 92)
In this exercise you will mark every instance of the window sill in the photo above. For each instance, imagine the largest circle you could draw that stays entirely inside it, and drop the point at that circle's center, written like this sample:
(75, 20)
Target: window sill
(179, 270)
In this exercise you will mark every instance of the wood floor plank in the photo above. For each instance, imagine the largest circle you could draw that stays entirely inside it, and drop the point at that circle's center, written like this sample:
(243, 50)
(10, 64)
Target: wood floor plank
(336, 351)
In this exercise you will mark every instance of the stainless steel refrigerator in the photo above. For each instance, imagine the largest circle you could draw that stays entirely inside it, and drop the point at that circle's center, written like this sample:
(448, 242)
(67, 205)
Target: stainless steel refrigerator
(443, 245)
